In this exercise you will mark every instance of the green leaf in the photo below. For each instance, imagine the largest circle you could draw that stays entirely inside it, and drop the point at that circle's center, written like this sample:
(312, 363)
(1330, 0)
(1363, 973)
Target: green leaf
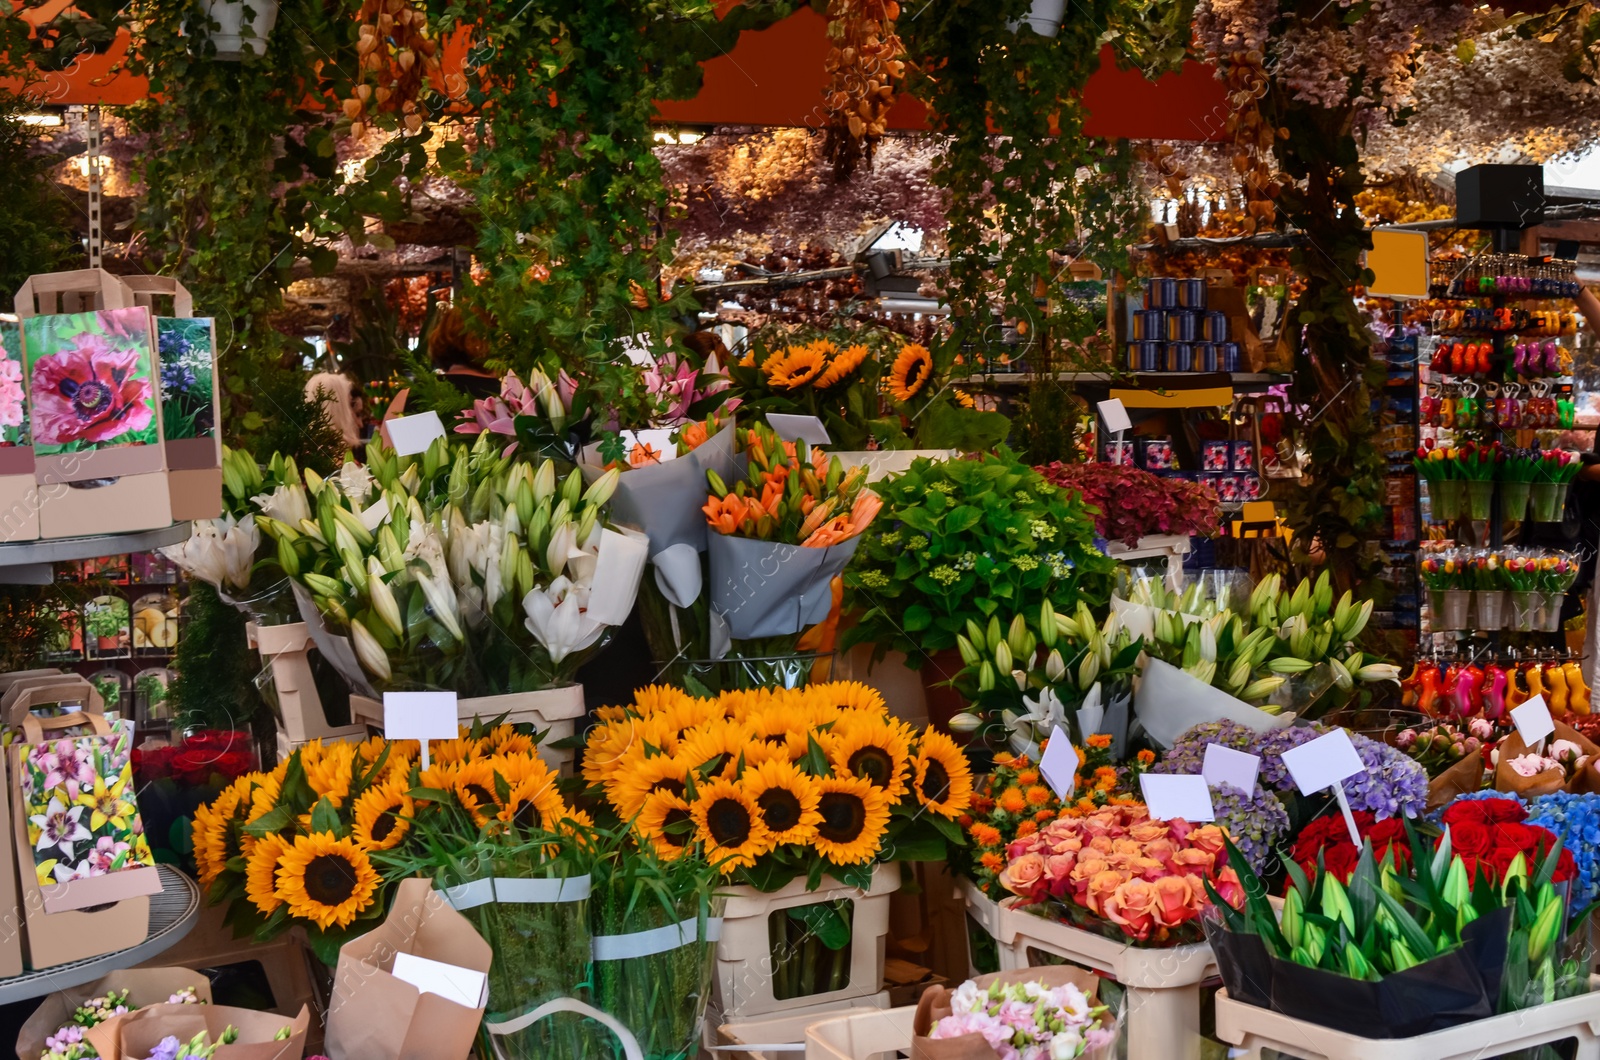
(962, 518)
(916, 618)
(824, 921)
(324, 818)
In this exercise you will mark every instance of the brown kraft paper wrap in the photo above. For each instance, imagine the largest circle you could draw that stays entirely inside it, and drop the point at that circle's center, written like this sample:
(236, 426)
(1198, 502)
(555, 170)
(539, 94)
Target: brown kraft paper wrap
(134, 1036)
(374, 1016)
(1551, 780)
(934, 1005)
(1463, 778)
(145, 986)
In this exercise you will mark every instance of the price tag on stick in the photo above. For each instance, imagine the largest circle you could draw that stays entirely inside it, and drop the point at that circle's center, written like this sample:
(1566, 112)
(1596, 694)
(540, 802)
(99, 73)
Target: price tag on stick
(1534, 723)
(1171, 796)
(1324, 763)
(420, 716)
(1224, 765)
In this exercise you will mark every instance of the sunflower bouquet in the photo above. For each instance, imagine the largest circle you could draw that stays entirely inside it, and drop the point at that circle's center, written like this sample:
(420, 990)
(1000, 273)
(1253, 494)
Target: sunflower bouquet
(871, 389)
(775, 785)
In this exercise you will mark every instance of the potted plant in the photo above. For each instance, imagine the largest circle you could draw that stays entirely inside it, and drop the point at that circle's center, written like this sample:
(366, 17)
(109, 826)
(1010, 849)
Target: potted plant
(962, 540)
(107, 620)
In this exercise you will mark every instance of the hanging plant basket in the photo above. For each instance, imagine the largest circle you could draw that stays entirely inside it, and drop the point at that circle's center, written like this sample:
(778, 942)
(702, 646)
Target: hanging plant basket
(229, 16)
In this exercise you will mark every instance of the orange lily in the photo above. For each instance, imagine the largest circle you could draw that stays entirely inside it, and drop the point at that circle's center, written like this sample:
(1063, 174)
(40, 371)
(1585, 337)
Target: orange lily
(829, 533)
(726, 514)
(643, 454)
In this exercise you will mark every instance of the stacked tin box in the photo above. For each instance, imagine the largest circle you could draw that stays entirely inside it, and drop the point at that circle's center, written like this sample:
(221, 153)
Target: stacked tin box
(1175, 332)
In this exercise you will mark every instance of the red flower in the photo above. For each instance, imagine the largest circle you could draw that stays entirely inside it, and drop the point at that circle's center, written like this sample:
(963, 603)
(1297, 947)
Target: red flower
(1470, 839)
(93, 392)
(194, 767)
(1486, 811)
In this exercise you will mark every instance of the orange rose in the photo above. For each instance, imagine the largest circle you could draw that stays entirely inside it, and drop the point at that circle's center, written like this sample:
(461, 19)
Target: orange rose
(1176, 900)
(1146, 868)
(1064, 844)
(1102, 844)
(1209, 838)
(1132, 907)
(1161, 850)
(1196, 862)
(1023, 876)
(1148, 831)
(1058, 872)
(1230, 889)
(1101, 887)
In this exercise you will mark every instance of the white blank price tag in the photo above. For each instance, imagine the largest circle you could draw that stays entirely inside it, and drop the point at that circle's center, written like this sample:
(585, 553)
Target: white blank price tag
(807, 429)
(420, 716)
(1224, 765)
(1323, 762)
(1059, 764)
(465, 987)
(411, 435)
(1533, 721)
(1171, 796)
(1116, 416)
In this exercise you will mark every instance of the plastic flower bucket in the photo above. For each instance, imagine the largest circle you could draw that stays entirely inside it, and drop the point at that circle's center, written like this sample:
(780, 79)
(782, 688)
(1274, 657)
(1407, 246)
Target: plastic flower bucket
(1550, 613)
(1514, 501)
(1480, 498)
(1491, 604)
(1445, 498)
(1525, 609)
(1549, 498)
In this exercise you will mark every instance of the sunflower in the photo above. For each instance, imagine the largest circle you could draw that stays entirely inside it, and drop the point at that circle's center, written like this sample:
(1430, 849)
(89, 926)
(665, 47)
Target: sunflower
(877, 749)
(474, 790)
(794, 367)
(842, 367)
(533, 803)
(329, 768)
(383, 815)
(777, 728)
(728, 822)
(714, 748)
(910, 372)
(215, 839)
(649, 775)
(847, 695)
(508, 741)
(854, 817)
(326, 880)
(661, 821)
(787, 799)
(261, 872)
(943, 779)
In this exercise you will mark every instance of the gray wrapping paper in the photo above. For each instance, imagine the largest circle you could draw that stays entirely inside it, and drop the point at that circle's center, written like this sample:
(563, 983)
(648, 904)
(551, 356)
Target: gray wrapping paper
(766, 589)
(664, 500)
(334, 648)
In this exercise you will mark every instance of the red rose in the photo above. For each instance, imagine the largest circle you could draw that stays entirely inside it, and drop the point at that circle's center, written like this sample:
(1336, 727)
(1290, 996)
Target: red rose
(1566, 868)
(1485, 811)
(1471, 838)
(234, 764)
(1497, 861)
(1340, 861)
(152, 764)
(1524, 837)
(194, 768)
(217, 740)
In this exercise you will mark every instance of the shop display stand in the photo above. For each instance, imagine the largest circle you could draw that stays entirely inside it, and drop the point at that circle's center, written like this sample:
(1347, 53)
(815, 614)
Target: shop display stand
(1251, 1030)
(32, 562)
(173, 913)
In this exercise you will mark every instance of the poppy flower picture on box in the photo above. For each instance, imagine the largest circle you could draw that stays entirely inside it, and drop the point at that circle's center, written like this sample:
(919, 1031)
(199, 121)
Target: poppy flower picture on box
(91, 380)
(186, 348)
(13, 409)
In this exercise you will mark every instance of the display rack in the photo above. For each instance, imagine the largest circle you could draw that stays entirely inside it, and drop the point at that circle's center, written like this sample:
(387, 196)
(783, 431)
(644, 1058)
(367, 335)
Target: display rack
(173, 913)
(32, 562)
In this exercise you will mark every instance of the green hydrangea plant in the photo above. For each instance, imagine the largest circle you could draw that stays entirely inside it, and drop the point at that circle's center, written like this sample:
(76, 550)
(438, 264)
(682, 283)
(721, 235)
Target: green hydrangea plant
(968, 539)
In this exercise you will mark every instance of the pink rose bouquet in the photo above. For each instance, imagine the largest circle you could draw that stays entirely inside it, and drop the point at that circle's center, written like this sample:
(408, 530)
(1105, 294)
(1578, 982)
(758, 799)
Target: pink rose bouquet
(1118, 872)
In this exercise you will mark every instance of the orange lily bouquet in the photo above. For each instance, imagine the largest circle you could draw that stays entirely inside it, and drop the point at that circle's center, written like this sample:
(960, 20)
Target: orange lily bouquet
(780, 535)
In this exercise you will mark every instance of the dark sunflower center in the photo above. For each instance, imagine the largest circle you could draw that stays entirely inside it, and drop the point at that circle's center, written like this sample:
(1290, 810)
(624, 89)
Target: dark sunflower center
(669, 784)
(778, 739)
(88, 399)
(780, 809)
(527, 816)
(935, 782)
(384, 826)
(873, 763)
(728, 821)
(481, 793)
(330, 879)
(671, 832)
(915, 373)
(844, 817)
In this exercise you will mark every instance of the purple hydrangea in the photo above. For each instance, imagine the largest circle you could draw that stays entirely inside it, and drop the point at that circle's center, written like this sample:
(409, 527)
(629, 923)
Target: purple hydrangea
(1256, 822)
(1393, 784)
(1188, 754)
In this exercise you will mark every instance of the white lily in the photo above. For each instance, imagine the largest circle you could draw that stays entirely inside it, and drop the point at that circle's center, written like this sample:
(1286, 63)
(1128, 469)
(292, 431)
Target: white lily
(554, 615)
(368, 651)
(1055, 668)
(354, 481)
(287, 504)
(434, 580)
(383, 600)
(219, 551)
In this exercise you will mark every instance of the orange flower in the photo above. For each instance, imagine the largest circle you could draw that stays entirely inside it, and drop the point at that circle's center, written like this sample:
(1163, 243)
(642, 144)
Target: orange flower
(1028, 777)
(1044, 815)
(1038, 796)
(1012, 801)
(830, 533)
(1146, 757)
(1004, 758)
(694, 435)
(1026, 828)
(726, 514)
(1099, 741)
(643, 454)
(986, 835)
(992, 861)
(842, 366)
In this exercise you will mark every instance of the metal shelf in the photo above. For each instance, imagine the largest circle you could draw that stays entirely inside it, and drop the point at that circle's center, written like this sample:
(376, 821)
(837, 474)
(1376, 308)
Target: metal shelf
(173, 913)
(1135, 379)
(30, 562)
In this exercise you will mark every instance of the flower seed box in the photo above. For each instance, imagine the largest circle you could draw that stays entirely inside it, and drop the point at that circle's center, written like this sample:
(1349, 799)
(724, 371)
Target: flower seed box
(744, 954)
(1163, 984)
(1252, 1029)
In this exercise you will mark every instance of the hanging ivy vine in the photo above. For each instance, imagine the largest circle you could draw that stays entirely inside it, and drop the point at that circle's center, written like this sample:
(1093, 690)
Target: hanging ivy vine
(241, 179)
(574, 215)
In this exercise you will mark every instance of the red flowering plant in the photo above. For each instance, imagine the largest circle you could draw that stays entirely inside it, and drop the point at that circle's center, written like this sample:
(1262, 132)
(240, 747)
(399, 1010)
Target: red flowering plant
(174, 781)
(1119, 873)
(1133, 503)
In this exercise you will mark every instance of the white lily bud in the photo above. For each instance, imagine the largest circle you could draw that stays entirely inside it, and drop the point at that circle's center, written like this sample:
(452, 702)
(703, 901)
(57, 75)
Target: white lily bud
(369, 651)
(1055, 668)
(965, 722)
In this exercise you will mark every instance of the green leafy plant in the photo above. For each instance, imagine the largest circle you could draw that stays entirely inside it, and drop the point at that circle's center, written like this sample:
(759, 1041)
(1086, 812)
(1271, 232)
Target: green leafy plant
(961, 540)
(106, 617)
(36, 226)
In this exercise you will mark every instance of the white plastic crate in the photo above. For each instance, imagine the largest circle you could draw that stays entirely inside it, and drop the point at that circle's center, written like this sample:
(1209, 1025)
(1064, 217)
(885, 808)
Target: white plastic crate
(862, 1035)
(1251, 1029)
(742, 1039)
(1163, 985)
(984, 912)
(744, 954)
(553, 711)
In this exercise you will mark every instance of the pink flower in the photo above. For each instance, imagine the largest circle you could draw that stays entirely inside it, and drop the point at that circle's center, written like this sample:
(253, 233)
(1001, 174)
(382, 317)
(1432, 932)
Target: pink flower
(1531, 765)
(93, 392)
(1024, 876)
(10, 392)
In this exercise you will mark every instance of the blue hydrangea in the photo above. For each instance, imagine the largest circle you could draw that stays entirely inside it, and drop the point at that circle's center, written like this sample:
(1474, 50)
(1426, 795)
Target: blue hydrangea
(1576, 819)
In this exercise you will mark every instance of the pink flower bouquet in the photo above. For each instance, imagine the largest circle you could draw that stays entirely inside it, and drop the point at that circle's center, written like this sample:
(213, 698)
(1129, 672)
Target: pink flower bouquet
(1118, 872)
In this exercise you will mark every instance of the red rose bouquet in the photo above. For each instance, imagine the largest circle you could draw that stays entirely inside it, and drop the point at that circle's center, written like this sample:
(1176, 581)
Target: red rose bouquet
(1489, 834)
(1119, 873)
(1329, 837)
(174, 781)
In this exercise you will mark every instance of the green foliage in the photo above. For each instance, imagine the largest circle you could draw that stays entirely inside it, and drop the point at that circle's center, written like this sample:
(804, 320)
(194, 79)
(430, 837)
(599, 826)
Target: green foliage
(573, 208)
(36, 224)
(966, 539)
(281, 420)
(241, 179)
(213, 689)
(31, 617)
